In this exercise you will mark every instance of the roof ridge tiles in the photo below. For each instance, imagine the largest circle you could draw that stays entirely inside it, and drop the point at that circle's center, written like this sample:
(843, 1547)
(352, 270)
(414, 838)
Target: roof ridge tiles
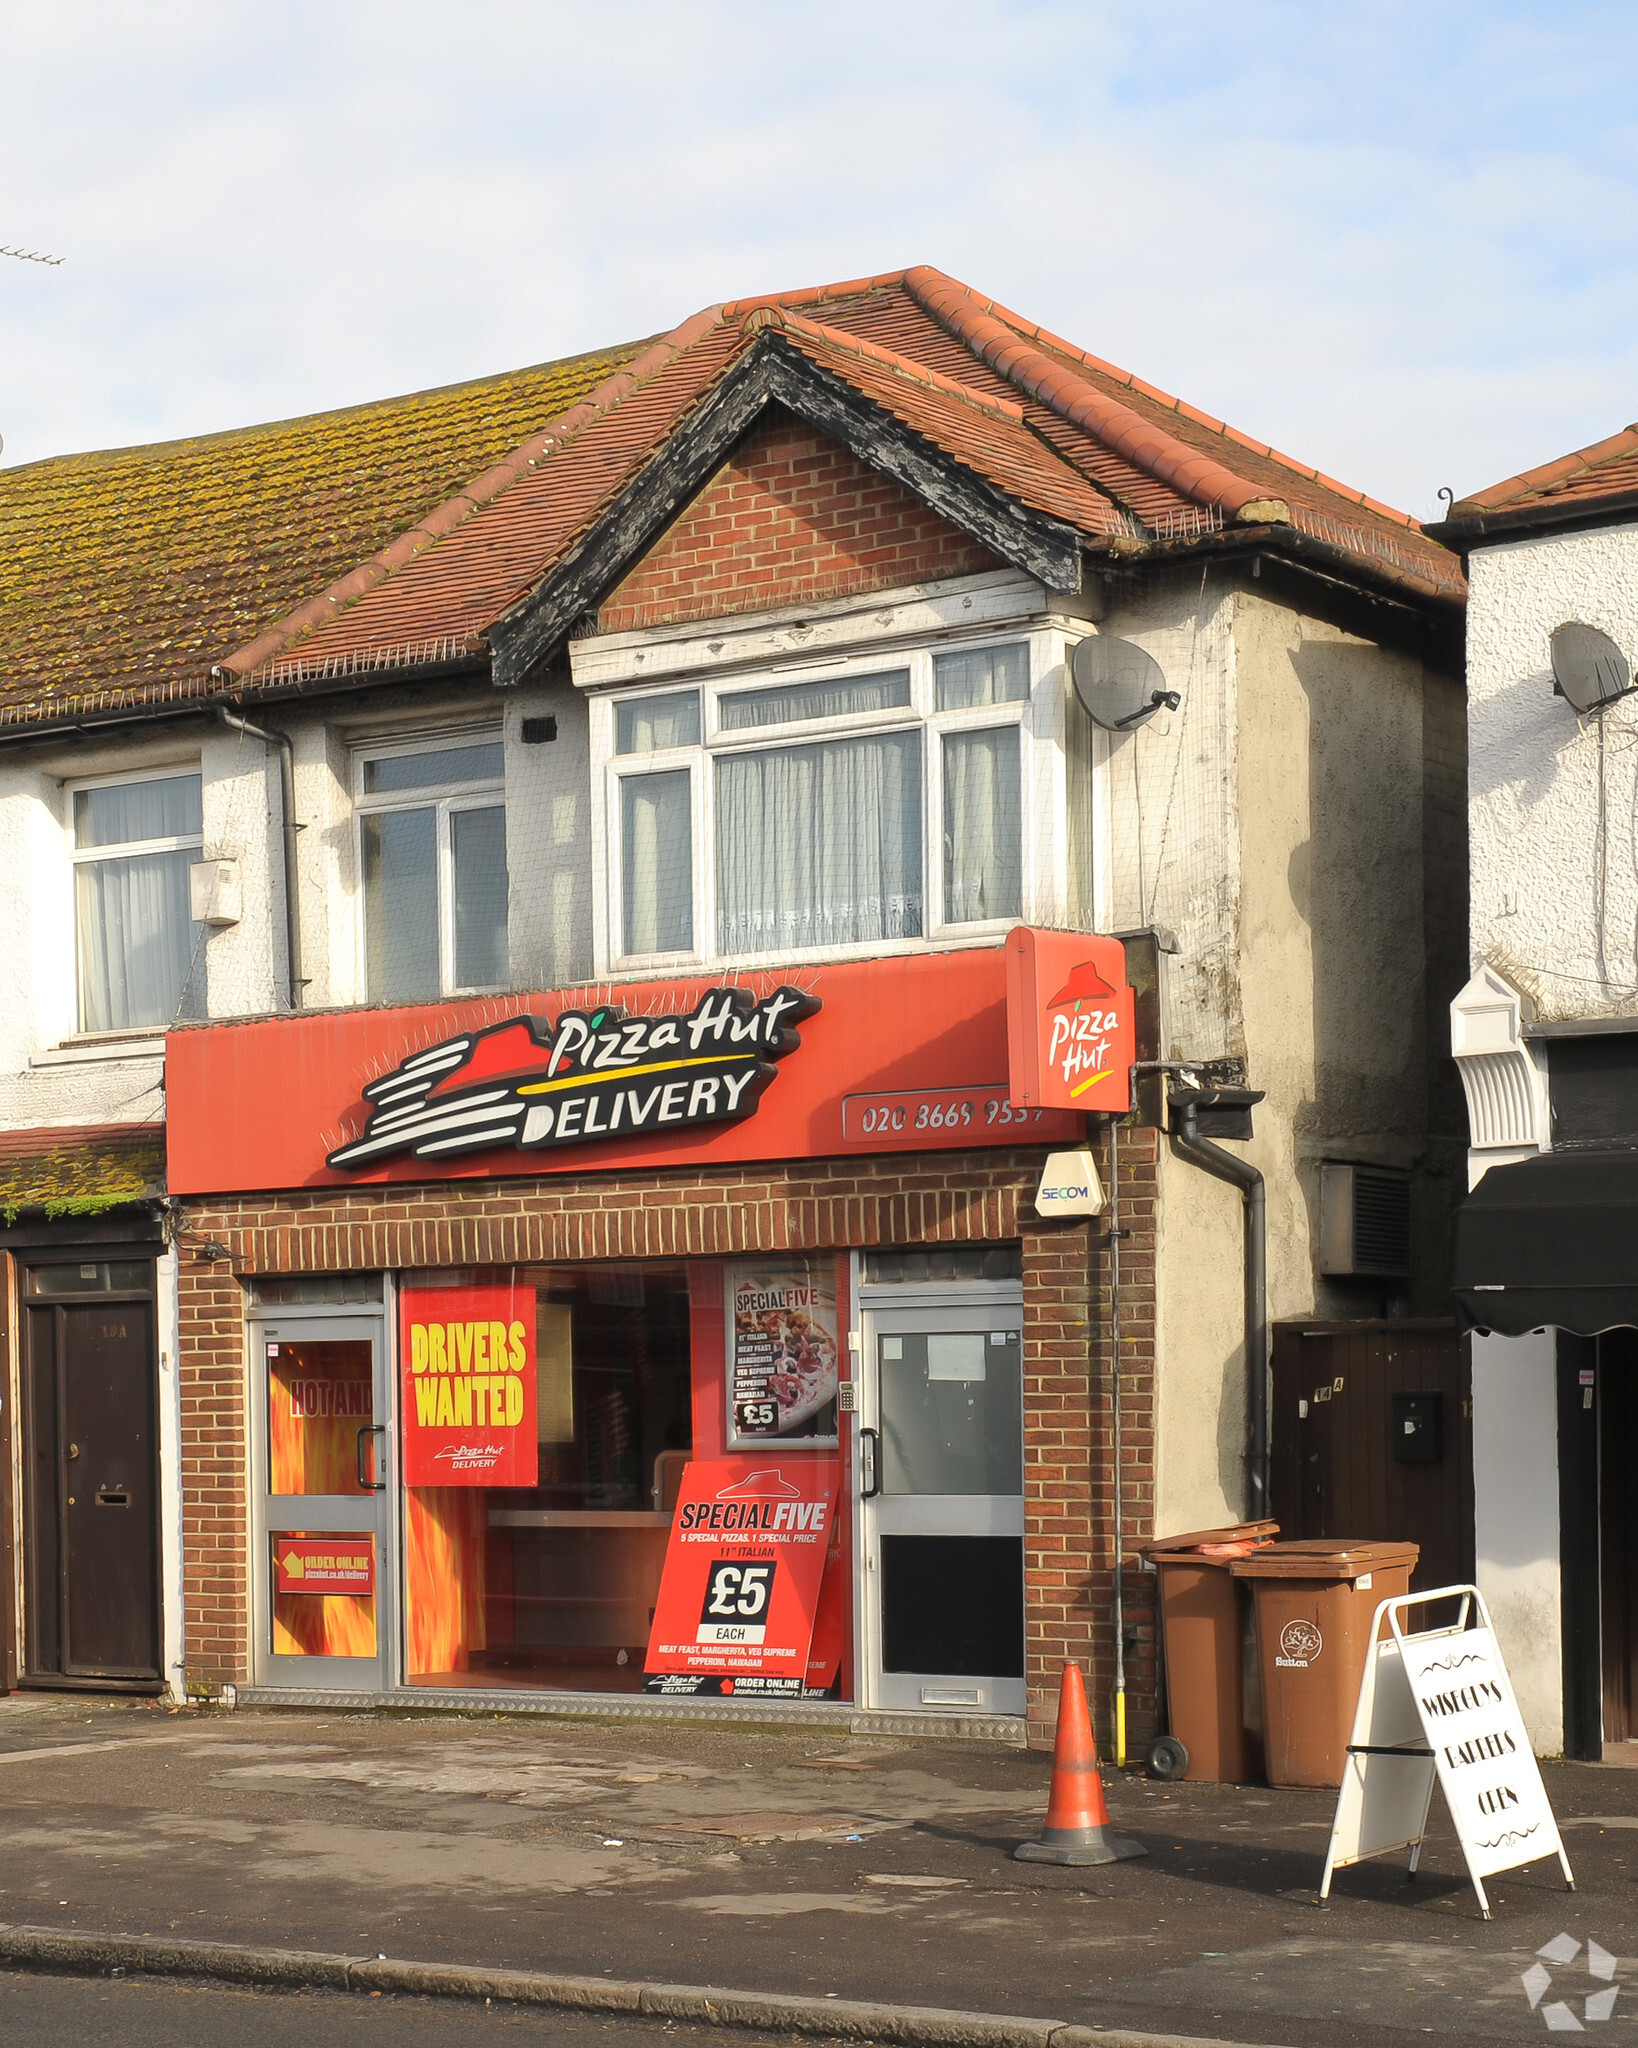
(762, 317)
(924, 276)
(454, 512)
(1128, 433)
(814, 295)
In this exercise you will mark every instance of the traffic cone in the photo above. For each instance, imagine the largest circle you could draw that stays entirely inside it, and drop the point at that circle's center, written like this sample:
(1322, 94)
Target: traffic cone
(1077, 1821)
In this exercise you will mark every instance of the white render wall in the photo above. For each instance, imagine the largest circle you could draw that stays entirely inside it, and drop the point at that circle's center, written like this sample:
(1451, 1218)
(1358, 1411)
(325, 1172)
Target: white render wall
(1515, 1521)
(1554, 896)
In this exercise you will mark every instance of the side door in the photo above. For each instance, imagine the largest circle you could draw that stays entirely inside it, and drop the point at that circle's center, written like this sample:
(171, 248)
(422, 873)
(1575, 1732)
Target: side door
(324, 1548)
(91, 1486)
(941, 1504)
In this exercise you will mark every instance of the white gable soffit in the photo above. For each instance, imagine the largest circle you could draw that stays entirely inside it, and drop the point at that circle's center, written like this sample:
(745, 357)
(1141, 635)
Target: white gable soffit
(798, 632)
(1502, 1076)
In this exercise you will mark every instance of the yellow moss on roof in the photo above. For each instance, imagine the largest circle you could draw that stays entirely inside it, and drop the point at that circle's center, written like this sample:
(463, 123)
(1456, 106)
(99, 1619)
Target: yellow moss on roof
(82, 1178)
(132, 570)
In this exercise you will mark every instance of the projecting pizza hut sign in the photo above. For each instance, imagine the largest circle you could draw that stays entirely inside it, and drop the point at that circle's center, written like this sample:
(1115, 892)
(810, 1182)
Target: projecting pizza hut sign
(592, 1074)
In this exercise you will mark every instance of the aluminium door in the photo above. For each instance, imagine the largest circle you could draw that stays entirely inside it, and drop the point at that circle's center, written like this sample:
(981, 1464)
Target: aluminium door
(941, 1486)
(91, 1483)
(323, 1548)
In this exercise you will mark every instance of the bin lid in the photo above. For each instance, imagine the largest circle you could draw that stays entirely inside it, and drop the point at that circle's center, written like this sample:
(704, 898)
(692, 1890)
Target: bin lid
(1175, 1549)
(1324, 1557)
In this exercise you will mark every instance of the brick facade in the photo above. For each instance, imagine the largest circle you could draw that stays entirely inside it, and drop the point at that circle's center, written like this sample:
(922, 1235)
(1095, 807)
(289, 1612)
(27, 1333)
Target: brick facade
(807, 1205)
(789, 519)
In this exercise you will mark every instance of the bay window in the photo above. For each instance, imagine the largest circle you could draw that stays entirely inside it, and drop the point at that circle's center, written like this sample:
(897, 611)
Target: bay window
(432, 855)
(867, 805)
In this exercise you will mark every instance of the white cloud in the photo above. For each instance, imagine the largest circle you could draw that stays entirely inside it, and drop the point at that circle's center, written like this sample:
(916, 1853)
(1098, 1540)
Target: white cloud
(1396, 241)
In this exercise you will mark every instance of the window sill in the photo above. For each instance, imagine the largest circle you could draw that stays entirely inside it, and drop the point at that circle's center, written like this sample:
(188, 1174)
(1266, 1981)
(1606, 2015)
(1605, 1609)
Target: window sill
(84, 1051)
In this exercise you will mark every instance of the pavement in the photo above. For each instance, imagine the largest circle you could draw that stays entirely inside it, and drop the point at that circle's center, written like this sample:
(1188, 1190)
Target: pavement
(870, 1871)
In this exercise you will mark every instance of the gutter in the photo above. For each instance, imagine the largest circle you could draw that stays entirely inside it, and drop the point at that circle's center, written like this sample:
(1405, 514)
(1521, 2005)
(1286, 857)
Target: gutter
(287, 805)
(1466, 530)
(1188, 1144)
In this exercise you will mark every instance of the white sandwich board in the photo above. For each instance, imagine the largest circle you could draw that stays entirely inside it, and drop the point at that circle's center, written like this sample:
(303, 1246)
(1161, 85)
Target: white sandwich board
(1439, 1706)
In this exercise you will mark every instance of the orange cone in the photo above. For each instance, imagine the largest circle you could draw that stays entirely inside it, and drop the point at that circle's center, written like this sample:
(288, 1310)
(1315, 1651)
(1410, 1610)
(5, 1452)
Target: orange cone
(1077, 1821)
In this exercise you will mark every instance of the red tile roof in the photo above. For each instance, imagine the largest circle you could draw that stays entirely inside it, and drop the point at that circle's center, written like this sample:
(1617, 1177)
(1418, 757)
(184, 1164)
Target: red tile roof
(399, 534)
(1606, 470)
(1055, 428)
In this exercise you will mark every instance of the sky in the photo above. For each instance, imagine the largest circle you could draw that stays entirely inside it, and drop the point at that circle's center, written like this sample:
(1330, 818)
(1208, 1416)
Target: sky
(1396, 241)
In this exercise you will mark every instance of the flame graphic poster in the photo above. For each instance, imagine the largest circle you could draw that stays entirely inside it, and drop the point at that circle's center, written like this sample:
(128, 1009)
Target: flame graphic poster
(469, 1396)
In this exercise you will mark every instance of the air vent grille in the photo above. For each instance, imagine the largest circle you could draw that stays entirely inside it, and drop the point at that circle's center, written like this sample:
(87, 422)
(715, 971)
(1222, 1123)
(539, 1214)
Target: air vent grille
(1365, 1222)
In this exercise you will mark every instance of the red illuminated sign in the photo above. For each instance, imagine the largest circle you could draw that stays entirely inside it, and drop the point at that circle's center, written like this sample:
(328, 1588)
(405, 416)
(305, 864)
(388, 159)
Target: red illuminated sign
(1071, 1021)
(743, 1568)
(324, 1564)
(467, 1361)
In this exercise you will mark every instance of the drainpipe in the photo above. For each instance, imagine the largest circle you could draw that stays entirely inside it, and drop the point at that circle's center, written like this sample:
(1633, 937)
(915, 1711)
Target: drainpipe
(287, 800)
(1188, 1144)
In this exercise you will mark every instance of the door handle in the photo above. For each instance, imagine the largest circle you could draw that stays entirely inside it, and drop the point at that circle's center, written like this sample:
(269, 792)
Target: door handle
(869, 1475)
(366, 1483)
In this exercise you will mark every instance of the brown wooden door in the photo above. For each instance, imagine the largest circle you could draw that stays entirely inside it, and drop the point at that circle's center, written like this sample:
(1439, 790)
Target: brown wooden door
(90, 1497)
(1339, 1464)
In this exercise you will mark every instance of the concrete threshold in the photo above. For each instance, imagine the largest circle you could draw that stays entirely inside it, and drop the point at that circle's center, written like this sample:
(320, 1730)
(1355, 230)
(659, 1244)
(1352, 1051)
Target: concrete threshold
(921, 2026)
(662, 1708)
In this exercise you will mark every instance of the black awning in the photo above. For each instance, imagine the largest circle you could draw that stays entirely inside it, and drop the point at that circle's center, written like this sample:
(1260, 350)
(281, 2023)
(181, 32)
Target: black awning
(1551, 1242)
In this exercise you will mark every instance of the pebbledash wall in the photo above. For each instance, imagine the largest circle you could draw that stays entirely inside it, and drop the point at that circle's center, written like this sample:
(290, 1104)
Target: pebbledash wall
(692, 1213)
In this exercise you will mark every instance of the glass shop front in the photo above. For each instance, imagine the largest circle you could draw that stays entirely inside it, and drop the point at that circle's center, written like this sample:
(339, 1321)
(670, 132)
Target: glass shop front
(646, 1477)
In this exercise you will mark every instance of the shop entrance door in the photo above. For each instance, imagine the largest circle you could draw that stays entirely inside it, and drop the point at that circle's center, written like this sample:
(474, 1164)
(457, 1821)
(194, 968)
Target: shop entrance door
(324, 1548)
(941, 1502)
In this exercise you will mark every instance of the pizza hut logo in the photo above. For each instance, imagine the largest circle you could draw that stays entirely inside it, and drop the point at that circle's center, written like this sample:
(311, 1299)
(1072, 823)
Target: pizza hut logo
(1300, 1644)
(592, 1074)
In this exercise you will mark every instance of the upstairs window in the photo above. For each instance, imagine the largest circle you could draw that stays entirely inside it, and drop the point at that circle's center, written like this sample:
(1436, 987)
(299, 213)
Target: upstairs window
(864, 807)
(432, 854)
(140, 961)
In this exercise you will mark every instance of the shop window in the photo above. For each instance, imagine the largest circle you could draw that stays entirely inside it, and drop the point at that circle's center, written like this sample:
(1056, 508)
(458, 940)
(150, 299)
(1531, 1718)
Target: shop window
(543, 1572)
(864, 807)
(139, 953)
(432, 854)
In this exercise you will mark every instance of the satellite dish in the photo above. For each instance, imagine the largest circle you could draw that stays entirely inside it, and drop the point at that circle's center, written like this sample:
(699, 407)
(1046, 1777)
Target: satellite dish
(1121, 686)
(1589, 670)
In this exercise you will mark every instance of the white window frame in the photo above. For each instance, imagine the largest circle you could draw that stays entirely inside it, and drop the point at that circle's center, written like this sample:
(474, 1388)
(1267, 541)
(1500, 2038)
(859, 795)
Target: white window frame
(1042, 826)
(126, 849)
(444, 800)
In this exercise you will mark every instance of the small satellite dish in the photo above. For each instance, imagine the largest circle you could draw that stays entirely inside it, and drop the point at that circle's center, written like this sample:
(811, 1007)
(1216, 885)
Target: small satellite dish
(1589, 670)
(1121, 686)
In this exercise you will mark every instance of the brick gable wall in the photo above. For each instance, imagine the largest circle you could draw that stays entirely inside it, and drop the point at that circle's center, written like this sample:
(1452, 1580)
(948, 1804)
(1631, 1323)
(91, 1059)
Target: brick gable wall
(791, 518)
(806, 1205)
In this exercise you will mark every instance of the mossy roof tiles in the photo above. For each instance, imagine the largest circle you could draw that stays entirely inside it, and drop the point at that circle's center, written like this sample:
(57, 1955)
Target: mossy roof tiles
(125, 574)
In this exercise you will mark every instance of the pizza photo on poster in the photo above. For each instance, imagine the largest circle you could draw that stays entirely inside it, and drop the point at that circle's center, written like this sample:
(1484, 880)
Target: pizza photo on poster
(783, 1355)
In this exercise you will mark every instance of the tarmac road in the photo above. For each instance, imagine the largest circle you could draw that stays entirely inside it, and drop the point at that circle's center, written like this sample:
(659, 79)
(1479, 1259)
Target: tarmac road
(791, 1861)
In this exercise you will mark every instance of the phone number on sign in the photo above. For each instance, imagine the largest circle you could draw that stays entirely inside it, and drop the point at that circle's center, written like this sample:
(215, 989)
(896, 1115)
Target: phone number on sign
(954, 1112)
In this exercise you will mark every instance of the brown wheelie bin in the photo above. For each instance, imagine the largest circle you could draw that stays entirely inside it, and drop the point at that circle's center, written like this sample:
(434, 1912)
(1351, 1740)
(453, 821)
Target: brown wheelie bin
(1203, 1622)
(1315, 1602)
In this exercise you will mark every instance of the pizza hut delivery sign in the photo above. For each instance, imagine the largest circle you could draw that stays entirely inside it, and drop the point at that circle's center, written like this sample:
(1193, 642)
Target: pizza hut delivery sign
(742, 1574)
(469, 1398)
(1071, 1021)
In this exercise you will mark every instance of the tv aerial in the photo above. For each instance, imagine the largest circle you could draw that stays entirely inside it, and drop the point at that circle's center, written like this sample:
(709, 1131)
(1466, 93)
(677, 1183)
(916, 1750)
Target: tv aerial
(1121, 686)
(1589, 671)
(31, 256)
